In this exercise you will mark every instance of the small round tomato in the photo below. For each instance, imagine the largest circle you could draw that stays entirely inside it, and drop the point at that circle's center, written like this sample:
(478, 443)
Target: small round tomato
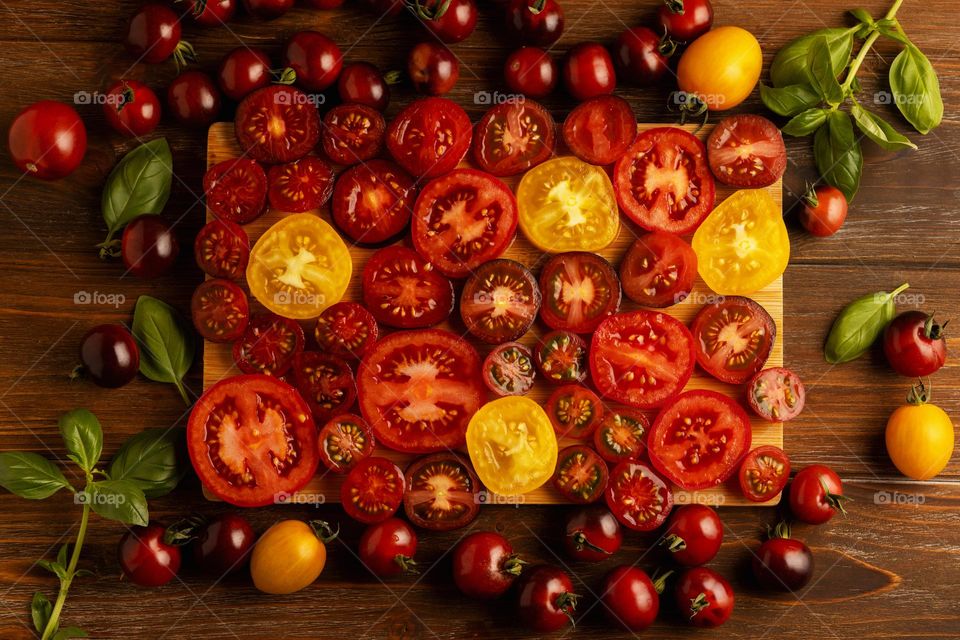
(630, 598)
(565, 204)
(210, 13)
(242, 71)
(746, 150)
(663, 181)
(373, 490)
(47, 140)
(733, 338)
(222, 249)
(581, 475)
(546, 601)
(442, 492)
(430, 137)
(638, 497)
(228, 434)
(824, 211)
(277, 124)
(512, 445)
(325, 382)
(592, 534)
(580, 290)
(193, 98)
(509, 370)
(346, 330)
(530, 71)
(432, 68)
(109, 355)
(574, 411)
(600, 130)
(220, 310)
(919, 437)
(462, 220)
(145, 558)
(387, 548)
(373, 201)
(782, 563)
(449, 20)
(588, 71)
(403, 290)
(362, 83)
(776, 394)
(704, 597)
(290, 555)
(236, 190)
(698, 439)
(538, 22)
(512, 137)
(484, 565)
(268, 345)
(659, 270)
(352, 133)
(816, 493)
(561, 357)
(131, 108)
(315, 58)
(148, 246)
(301, 185)
(693, 535)
(153, 35)
(642, 56)
(621, 435)
(721, 67)
(344, 441)
(764, 473)
(222, 545)
(685, 20)
(914, 344)
(499, 301)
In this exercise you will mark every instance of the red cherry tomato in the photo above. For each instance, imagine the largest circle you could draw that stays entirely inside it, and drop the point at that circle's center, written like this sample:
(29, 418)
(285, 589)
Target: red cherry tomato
(621, 435)
(267, 9)
(704, 597)
(193, 98)
(588, 71)
(546, 599)
(782, 563)
(144, 557)
(513, 137)
(509, 370)
(776, 394)
(236, 190)
(403, 290)
(47, 140)
(131, 108)
(153, 35)
(109, 355)
(269, 345)
(387, 548)
(373, 201)
(824, 211)
(148, 246)
(580, 291)
(499, 301)
(456, 23)
(220, 310)
(430, 137)
(638, 497)
(659, 269)
(352, 133)
(693, 535)
(433, 69)
(592, 534)
(630, 598)
(362, 83)
(325, 382)
(277, 124)
(222, 249)
(442, 492)
(301, 185)
(561, 357)
(373, 490)
(581, 475)
(346, 330)
(764, 473)
(243, 71)
(538, 22)
(816, 493)
(344, 441)
(223, 545)
(747, 151)
(914, 344)
(733, 338)
(316, 59)
(641, 56)
(484, 565)
(685, 20)
(531, 71)
(210, 13)
(600, 130)
(574, 411)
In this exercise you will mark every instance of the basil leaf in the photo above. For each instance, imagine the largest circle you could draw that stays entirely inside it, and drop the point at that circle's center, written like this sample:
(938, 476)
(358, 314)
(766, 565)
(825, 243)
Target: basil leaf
(790, 100)
(30, 476)
(167, 343)
(62, 555)
(805, 123)
(55, 568)
(866, 21)
(820, 72)
(789, 66)
(153, 460)
(119, 500)
(838, 154)
(859, 325)
(916, 89)
(879, 130)
(139, 184)
(890, 28)
(70, 632)
(40, 610)
(83, 437)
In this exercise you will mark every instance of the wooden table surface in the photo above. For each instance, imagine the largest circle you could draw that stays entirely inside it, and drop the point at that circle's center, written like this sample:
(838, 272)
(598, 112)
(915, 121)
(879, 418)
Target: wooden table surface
(889, 569)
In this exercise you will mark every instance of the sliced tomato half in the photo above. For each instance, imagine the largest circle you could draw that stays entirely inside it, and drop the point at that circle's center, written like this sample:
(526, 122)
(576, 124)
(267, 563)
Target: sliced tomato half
(733, 337)
(430, 137)
(581, 475)
(776, 394)
(325, 382)
(346, 330)
(622, 435)
(302, 185)
(601, 129)
(638, 497)
(580, 290)
(512, 137)
(442, 492)
(658, 270)
(344, 441)
(373, 201)
(561, 357)
(269, 345)
(236, 190)
(574, 411)
(403, 290)
(277, 124)
(500, 301)
(747, 150)
(509, 370)
(373, 490)
(764, 473)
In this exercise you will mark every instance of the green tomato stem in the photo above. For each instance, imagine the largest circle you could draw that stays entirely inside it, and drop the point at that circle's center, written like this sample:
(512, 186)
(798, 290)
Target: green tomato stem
(54, 620)
(865, 49)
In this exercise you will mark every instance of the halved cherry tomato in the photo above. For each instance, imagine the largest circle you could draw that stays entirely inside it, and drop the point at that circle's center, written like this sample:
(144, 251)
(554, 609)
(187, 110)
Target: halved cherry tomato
(638, 497)
(580, 290)
(430, 137)
(344, 441)
(300, 185)
(509, 370)
(561, 357)
(733, 338)
(462, 220)
(663, 181)
(512, 137)
(325, 382)
(658, 270)
(566, 204)
(222, 249)
(373, 201)
(236, 190)
(251, 439)
(641, 359)
(746, 151)
(574, 411)
(269, 345)
(220, 310)
(373, 490)
(418, 390)
(622, 435)
(442, 492)
(699, 439)
(352, 133)
(600, 130)
(277, 124)
(403, 290)
(764, 473)
(346, 330)
(500, 301)
(776, 394)
(581, 474)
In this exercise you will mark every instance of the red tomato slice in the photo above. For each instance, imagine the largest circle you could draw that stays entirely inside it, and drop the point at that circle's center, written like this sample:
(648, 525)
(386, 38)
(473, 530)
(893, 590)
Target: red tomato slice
(419, 389)
(352, 133)
(622, 435)
(403, 290)
(663, 181)
(509, 370)
(277, 124)
(698, 439)
(252, 440)
(638, 497)
(430, 137)
(302, 185)
(325, 382)
(236, 190)
(574, 411)
(346, 330)
(462, 220)
(747, 151)
(373, 201)
(499, 301)
(442, 492)
(580, 290)
(512, 137)
(220, 310)
(269, 345)
(733, 337)
(764, 473)
(344, 441)
(581, 475)
(600, 130)
(658, 270)
(776, 394)
(641, 359)
(373, 490)
(222, 249)
(561, 357)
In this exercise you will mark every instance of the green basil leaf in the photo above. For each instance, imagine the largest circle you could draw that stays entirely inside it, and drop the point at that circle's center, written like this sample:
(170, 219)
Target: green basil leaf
(119, 500)
(789, 101)
(803, 124)
(139, 184)
(55, 568)
(820, 72)
(789, 66)
(838, 154)
(865, 19)
(859, 325)
(916, 89)
(62, 555)
(154, 460)
(40, 610)
(30, 476)
(890, 28)
(879, 130)
(70, 632)
(83, 437)
(167, 342)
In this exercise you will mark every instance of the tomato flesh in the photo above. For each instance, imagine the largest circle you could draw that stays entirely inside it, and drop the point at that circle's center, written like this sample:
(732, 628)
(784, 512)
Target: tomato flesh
(344, 441)
(403, 290)
(776, 394)
(658, 270)
(430, 137)
(325, 382)
(733, 338)
(302, 185)
(277, 124)
(580, 290)
(236, 190)
(352, 133)
(269, 345)
(373, 201)
(441, 492)
(638, 497)
(500, 301)
(373, 490)
(574, 411)
(600, 130)
(764, 473)
(220, 310)
(222, 249)
(621, 435)
(581, 474)
(509, 370)
(512, 137)
(747, 151)
(561, 357)
(346, 330)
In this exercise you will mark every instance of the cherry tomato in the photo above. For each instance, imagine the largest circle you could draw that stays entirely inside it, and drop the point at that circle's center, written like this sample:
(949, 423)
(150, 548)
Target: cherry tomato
(693, 535)
(484, 565)
(325, 382)
(223, 545)
(346, 330)
(509, 370)
(816, 493)
(193, 98)
(267, 9)
(362, 83)
(148, 246)
(630, 598)
(403, 290)
(746, 150)
(345, 440)
(236, 190)
(455, 23)
(621, 435)
(373, 201)
(641, 55)
(220, 310)
(531, 71)
(638, 497)
(277, 124)
(580, 290)
(210, 13)
(581, 475)
(430, 137)
(290, 556)
(601, 129)
(733, 338)
(222, 249)
(704, 597)
(433, 68)
(352, 133)
(315, 58)
(721, 67)
(302, 185)
(373, 490)
(243, 71)
(538, 22)
(685, 20)
(574, 411)
(914, 344)
(919, 436)
(153, 35)
(561, 357)
(145, 558)
(269, 345)
(546, 601)
(659, 270)
(109, 355)
(499, 301)
(592, 534)
(588, 71)
(131, 108)
(442, 492)
(764, 473)
(783, 563)
(47, 140)
(512, 137)
(824, 211)
(776, 394)
(387, 548)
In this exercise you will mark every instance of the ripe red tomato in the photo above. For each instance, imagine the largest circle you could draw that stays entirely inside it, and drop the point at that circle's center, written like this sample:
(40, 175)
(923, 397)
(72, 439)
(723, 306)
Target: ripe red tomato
(484, 565)
(228, 433)
(546, 599)
(561, 357)
(442, 492)
(373, 201)
(693, 535)
(630, 598)
(592, 534)
(210, 13)
(109, 355)
(782, 563)
(588, 71)
(816, 493)
(704, 597)
(512, 137)
(403, 290)
(223, 545)
(236, 190)
(824, 211)
(47, 140)
(362, 83)
(269, 345)
(220, 310)
(746, 151)
(145, 558)
(344, 441)
(642, 56)
(499, 301)
(698, 439)
(352, 133)
(153, 35)
(638, 497)
(600, 130)
(914, 344)
(242, 71)
(301, 185)
(430, 137)
(131, 108)
(538, 22)
(574, 411)
(733, 338)
(457, 19)
(663, 181)
(222, 249)
(325, 382)
(346, 330)
(659, 269)
(531, 71)
(433, 69)
(267, 9)
(685, 20)
(387, 548)
(509, 370)
(776, 394)
(373, 490)
(193, 98)
(580, 291)
(621, 435)
(277, 124)
(462, 220)
(148, 246)
(764, 473)
(315, 58)
(581, 475)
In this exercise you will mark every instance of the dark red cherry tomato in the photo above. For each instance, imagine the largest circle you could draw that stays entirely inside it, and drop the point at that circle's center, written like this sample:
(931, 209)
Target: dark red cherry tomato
(592, 534)
(816, 493)
(914, 344)
(588, 71)
(269, 345)
(513, 136)
(457, 19)
(236, 190)
(267, 9)
(210, 13)
(430, 137)
(373, 490)
(325, 382)
(622, 435)
(685, 20)
(149, 247)
(344, 441)
(432, 68)
(659, 269)
(580, 290)
(641, 57)
(776, 394)
(561, 357)
(693, 535)
(581, 475)
(109, 355)
(484, 565)
(301, 185)
(509, 370)
(373, 201)
(600, 130)
(346, 330)
(442, 492)
(316, 59)
(574, 411)
(193, 98)
(153, 35)
(537, 22)
(824, 211)
(219, 546)
(546, 599)
(783, 563)
(764, 473)
(220, 310)
(531, 71)
(222, 249)
(352, 133)
(243, 71)
(733, 338)
(131, 108)
(144, 557)
(630, 598)
(47, 140)
(387, 548)
(277, 124)
(362, 83)
(704, 597)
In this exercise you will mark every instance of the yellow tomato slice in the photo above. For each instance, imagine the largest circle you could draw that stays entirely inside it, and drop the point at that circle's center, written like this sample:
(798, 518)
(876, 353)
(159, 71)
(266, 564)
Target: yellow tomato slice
(566, 204)
(743, 245)
(512, 445)
(299, 267)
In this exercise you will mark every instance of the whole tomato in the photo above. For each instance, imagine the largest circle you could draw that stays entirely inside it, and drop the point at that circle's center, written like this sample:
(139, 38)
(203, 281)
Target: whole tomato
(631, 598)
(223, 545)
(685, 20)
(588, 71)
(131, 108)
(536, 22)
(694, 534)
(531, 71)
(47, 140)
(148, 246)
(210, 13)
(362, 83)
(641, 56)
(484, 565)
(450, 20)
(816, 493)
(546, 600)
(783, 563)
(592, 534)
(109, 355)
(704, 597)
(721, 67)
(316, 59)
(193, 98)
(145, 558)
(432, 68)
(824, 211)
(914, 344)
(387, 548)
(153, 35)
(919, 436)
(242, 71)
(290, 555)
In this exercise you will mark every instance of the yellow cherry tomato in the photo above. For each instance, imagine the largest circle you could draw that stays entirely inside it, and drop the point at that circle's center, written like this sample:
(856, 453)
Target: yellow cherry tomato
(299, 267)
(566, 204)
(512, 445)
(920, 438)
(289, 556)
(743, 245)
(721, 67)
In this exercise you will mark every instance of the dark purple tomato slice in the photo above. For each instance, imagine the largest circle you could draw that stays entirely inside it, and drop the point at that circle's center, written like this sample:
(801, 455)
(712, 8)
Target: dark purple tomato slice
(509, 370)
(580, 290)
(500, 301)
(561, 357)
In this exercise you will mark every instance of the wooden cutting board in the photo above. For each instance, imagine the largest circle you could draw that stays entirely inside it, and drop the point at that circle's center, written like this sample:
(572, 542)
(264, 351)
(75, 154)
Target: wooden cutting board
(325, 487)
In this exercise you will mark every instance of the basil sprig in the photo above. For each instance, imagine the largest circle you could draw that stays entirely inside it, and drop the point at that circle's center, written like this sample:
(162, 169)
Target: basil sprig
(167, 343)
(860, 324)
